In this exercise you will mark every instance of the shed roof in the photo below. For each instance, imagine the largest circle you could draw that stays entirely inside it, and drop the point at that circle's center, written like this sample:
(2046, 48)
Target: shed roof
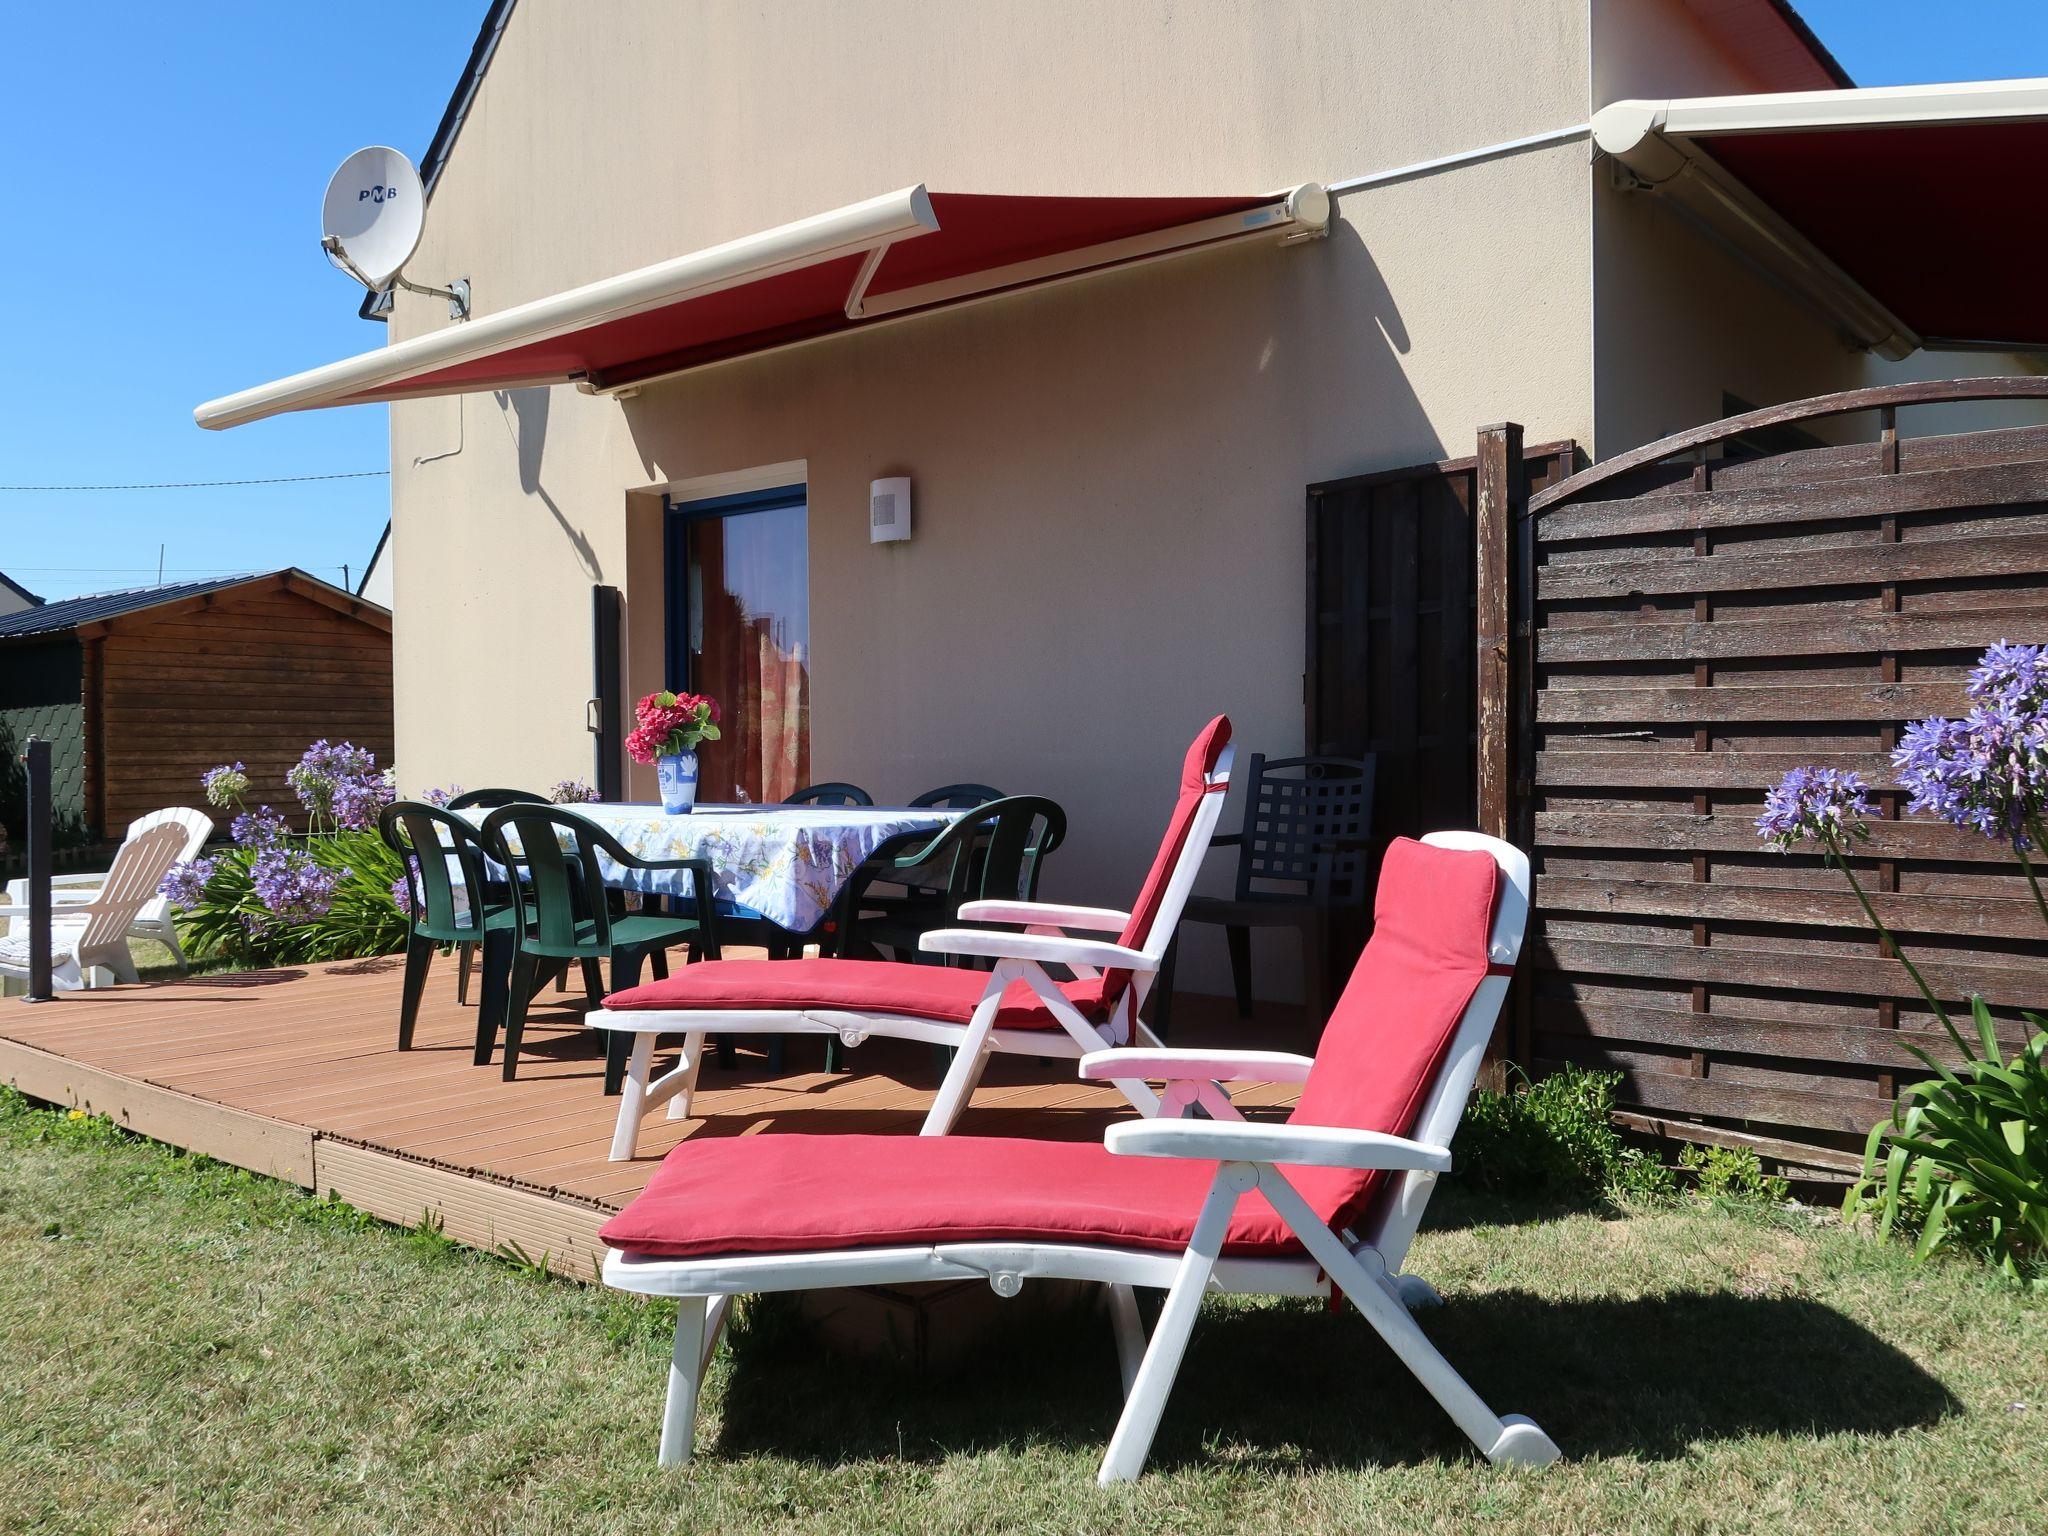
(99, 608)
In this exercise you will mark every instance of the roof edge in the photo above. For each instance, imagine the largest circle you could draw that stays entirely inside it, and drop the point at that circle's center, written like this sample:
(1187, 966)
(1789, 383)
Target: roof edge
(375, 305)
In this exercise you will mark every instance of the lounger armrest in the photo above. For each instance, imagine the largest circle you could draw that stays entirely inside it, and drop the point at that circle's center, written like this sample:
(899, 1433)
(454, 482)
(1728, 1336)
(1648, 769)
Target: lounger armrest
(1172, 1066)
(1045, 948)
(1045, 913)
(1237, 1141)
(57, 908)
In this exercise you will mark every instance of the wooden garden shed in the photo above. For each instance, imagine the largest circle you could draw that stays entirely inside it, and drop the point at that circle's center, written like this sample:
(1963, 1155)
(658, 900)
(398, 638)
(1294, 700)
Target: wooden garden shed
(141, 691)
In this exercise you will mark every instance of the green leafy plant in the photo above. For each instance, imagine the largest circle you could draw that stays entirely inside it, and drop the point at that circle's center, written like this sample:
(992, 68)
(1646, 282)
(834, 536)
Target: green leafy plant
(1555, 1138)
(1734, 1175)
(1964, 1158)
(279, 896)
(229, 919)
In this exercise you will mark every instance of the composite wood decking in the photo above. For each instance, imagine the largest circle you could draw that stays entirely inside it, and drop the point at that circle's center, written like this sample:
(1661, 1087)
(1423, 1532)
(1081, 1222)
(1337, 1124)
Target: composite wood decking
(296, 1073)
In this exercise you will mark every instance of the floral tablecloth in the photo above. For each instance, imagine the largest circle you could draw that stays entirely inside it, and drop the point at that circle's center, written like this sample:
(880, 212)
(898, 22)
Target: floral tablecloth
(785, 862)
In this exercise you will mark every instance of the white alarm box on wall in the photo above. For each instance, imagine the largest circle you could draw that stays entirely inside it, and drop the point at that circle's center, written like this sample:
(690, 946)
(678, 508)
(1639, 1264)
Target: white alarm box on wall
(889, 510)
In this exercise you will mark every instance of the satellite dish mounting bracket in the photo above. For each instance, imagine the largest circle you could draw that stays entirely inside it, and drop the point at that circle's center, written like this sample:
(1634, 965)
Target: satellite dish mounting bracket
(456, 293)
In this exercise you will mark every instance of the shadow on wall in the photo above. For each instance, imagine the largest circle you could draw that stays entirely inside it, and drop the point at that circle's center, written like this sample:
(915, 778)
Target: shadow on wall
(1110, 478)
(525, 414)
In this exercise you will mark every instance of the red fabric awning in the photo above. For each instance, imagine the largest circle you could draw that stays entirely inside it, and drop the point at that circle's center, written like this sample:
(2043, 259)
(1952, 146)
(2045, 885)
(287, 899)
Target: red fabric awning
(1908, 214)
(855, 266)
(1943, 223)
(975, 234)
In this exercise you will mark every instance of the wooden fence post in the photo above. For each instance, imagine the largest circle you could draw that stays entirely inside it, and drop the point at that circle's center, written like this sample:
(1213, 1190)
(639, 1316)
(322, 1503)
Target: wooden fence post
(1496, 503)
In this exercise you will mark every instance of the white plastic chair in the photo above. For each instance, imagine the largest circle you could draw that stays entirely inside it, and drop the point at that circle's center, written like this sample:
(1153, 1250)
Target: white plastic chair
(1015, 1007)
(154, 920)
(89, 930)
(1185, 1205)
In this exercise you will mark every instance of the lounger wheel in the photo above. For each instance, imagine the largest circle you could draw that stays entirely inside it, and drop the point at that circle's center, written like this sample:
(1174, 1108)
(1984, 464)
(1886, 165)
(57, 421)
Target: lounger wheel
(1416, 1293)
(1522, 1444)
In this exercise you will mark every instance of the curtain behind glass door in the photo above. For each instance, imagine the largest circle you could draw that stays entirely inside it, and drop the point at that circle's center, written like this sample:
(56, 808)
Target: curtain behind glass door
(744, 609)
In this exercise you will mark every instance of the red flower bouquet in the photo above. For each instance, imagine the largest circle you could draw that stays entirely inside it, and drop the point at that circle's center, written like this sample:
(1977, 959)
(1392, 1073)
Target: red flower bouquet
(671, 723)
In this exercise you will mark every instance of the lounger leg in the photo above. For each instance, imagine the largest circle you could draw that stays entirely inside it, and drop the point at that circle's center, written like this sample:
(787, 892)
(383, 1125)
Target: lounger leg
(686, 1088)
(1132, 1442)
(465, 958)
(1507, 1437)
(1129, 1328)
(685, 1377)
(957, 1088)
(633, 1098)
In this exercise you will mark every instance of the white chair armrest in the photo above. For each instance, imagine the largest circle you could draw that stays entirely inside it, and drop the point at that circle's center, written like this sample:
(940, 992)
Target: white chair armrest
(1238, 1141)
(1048, 913)
(1045, 948)
(57, 908)
(1173, 1066)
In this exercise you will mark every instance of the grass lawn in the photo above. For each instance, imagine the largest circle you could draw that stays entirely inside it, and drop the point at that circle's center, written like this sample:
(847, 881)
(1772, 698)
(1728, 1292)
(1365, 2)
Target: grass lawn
(189, 1348)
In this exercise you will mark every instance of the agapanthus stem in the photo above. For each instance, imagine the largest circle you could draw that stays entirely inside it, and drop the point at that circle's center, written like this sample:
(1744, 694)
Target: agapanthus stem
(2027, 864)
(1840, 860)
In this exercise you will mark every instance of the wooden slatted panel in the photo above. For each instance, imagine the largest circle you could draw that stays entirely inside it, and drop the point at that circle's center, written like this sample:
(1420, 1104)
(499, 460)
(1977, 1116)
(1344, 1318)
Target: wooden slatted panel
(1392, 667)
(1697, 627)
(252, 678)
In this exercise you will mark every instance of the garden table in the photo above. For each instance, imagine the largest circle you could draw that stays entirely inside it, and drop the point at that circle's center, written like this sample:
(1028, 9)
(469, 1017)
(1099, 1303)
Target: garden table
(785, 863)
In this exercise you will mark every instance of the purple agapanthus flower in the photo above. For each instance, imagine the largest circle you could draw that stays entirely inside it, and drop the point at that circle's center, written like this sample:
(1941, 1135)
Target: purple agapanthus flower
(1989, 770)
(260, 828)
(572, 792)
(401, 893)
(358, 799)
(292, 886)
(225, 785)
(440, 795)
(1818, 805)
(186, 883)
(318, 776)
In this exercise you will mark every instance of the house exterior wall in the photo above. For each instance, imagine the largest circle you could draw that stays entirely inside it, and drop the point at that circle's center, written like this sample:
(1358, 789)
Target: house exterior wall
(1108, 475)
(1679, 321)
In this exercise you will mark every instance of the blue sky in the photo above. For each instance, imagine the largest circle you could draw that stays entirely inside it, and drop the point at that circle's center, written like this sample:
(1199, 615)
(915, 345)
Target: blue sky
(168, 164)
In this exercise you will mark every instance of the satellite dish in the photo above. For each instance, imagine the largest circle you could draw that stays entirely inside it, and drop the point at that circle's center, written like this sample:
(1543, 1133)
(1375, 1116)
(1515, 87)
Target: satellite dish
(370, 223)
(371, 218)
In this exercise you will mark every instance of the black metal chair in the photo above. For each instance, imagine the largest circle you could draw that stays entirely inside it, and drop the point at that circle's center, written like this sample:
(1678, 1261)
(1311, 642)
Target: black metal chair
(830, 793)
(1302, 854)
(563, 916)
(453, 899)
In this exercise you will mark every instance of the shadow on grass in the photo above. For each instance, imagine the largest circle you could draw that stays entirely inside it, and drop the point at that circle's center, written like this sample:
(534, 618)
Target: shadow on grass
(1288, 1385)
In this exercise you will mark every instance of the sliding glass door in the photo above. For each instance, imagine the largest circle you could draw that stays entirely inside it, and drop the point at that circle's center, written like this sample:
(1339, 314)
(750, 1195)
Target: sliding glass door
(739, 629)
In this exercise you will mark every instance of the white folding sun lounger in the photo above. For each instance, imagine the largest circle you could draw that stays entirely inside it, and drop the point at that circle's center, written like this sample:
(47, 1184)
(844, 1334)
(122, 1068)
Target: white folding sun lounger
(1184, 1205)
(1016, 1007)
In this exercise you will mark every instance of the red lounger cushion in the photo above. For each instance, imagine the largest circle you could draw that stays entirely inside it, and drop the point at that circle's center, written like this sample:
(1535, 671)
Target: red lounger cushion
(938, 992)
(1381, 1051)
(799, 1194)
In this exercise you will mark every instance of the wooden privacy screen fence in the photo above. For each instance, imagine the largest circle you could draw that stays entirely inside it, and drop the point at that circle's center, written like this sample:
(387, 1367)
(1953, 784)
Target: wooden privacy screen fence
(1700, 619)
(1404, 567)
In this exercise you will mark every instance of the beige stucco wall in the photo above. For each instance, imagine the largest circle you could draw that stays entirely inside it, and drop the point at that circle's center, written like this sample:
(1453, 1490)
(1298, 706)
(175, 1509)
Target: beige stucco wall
(1108, 475)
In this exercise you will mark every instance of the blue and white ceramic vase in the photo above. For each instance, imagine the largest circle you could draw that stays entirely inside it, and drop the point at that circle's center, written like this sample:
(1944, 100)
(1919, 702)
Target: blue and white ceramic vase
(678, 771)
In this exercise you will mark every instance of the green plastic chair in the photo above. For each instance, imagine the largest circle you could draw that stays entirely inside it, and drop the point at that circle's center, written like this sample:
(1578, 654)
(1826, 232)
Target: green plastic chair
(995, 852)
(563, 915)
(449, 906)
(832, 792)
